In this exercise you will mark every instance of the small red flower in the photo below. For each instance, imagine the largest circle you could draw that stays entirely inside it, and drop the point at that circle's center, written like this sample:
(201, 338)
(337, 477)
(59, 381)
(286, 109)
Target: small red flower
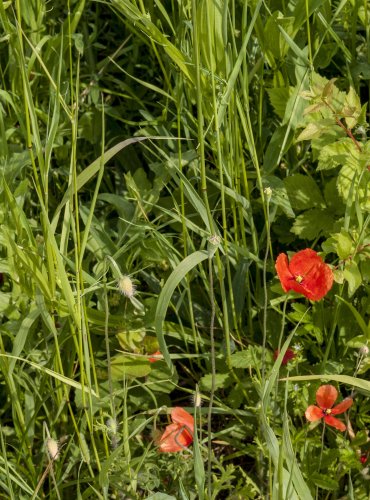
(179, 434)
(325, 397)
(306, 273)
(289, 354)
(363, 459)
(156, 356)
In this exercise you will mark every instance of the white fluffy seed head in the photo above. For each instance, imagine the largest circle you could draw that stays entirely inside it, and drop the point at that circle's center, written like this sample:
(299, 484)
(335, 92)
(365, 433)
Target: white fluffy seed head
(197, 399)
(53, 448)
(112, 425)
(126, 286)
(364, 350)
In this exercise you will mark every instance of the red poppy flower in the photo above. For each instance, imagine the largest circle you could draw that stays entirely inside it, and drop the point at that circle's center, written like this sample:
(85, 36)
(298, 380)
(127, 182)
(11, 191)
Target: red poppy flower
(289, 354)
(363, 459)
(306, 273)
(325, 397)
(179, 434)
(156, 356)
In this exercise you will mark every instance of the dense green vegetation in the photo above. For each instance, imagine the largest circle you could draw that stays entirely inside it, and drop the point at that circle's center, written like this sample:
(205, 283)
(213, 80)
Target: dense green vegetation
(156, 158)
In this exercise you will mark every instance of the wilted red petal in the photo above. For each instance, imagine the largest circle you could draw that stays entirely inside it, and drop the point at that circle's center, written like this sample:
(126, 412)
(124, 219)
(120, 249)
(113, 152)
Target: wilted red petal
(326, 396)
(335, 422)
(282, 268)
(175, 438)
(342, 407)
(313, 413)
(183, 418)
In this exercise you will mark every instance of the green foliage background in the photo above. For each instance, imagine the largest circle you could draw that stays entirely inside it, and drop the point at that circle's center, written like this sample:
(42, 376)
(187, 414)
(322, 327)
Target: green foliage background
(184, 144)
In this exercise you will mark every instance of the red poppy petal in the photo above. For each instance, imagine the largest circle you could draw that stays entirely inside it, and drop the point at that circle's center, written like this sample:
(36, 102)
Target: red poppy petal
(342, 407)
(326, 396)
(289, 354)
(317, 276)
(304, 261)
(318, 281)
(335, 422)
(301, 288)
(182, 417)
(282, 268)
(313, 413)
(175, 438)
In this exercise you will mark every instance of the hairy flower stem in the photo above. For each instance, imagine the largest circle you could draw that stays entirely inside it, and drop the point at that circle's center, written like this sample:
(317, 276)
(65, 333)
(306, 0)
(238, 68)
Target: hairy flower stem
(264, 272)
(213, 375)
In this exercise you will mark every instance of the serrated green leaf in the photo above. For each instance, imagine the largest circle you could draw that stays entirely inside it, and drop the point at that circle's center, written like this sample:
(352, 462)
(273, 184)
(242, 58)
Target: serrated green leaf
(342, 152)
(303, 192)
(242, 359)
(312, 130)
(353, 276)
(312, 223)
(279, 98)
(352, 108)
(222, 380)
(328, 89)
(349, 175)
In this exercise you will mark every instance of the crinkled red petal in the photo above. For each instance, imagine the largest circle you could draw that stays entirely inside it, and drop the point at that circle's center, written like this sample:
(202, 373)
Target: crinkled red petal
(317, 277)
(282, 268)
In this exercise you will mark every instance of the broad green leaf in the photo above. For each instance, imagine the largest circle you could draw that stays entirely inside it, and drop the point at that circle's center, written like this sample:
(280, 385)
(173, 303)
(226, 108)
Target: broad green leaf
(344, 244)
(161, 378)
(312, 224)
(324, 481)
(353, 276)
(303, 192)
(124, 365)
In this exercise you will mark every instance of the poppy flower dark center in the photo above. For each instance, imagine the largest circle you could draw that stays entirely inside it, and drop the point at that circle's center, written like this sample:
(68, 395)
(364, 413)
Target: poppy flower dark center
(299, 278)
(326, 411)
